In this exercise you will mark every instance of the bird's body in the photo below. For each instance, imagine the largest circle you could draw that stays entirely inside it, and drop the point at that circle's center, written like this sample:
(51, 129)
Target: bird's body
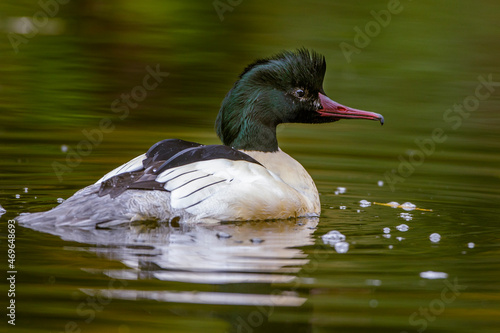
(247, 178)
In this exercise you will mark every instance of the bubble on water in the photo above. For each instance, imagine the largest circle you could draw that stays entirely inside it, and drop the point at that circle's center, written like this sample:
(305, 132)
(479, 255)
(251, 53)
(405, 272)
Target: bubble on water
(400, 238)
(403, 227)
(342, 207)
(17, 196)
(408, 206)
(373, 303)
(60, 200)
(390, 247)
(433, 275)
(406, 216)
(365, 203)
(435, 237)
(333, 237)
(373, 282)
(393, 204)
(2, 210)
(380, 183)
(358, 211)
(25, 190)
(341, 247)
(341, 190)
(471, 245)
(387, 235)
(387, 230)
(64, 148)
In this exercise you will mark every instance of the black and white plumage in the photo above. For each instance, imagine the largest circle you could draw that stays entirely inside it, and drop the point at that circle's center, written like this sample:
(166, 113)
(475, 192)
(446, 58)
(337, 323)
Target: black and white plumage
(195, 184)
(247, 178)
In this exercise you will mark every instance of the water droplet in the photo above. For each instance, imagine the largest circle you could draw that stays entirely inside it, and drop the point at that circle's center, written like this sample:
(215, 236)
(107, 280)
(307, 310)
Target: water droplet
(17, 196)
(408, 206)
(435, 237)
(403, 227)
(373, 282)
(406, 216)
(393, 204)
(400, 238)
(341, 190)
(373, 303)
(364, 203)
(341, 247)
(25, 190)
(64, 148)
(154, 170)
(333, 237)
(60, 200)
(387, 230)
(433, 275)
(471, 245)
(380, 183)
(387, 235)
(390, 247)
(342, 207)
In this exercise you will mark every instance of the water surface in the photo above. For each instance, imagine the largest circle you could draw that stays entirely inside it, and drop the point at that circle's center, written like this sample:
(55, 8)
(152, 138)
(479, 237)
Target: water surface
(58, 87)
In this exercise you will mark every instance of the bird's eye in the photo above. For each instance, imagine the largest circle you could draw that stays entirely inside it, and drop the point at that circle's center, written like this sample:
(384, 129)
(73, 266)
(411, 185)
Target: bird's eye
(299, 93)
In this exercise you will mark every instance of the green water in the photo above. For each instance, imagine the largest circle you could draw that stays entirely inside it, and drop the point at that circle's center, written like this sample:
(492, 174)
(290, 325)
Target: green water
(65, 122)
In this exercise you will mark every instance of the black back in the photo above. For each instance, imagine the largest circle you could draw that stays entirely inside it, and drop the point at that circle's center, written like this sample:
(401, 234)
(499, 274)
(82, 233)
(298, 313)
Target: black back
(164, 155)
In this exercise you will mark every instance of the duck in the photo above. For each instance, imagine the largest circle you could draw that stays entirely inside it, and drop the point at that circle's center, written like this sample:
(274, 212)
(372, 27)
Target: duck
(246, 178)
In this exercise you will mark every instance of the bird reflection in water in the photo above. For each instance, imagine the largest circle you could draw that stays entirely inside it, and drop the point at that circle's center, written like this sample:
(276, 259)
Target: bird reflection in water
(261, 252)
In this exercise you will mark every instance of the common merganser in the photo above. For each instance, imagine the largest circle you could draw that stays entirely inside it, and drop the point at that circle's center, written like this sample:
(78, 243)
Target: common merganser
(247, 178)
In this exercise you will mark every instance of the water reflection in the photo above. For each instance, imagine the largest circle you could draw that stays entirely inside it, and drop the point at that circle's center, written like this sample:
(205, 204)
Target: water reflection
(262, 252)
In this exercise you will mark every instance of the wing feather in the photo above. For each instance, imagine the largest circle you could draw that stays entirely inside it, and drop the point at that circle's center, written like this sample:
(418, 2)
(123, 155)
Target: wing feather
(169, 165)
(131, 166)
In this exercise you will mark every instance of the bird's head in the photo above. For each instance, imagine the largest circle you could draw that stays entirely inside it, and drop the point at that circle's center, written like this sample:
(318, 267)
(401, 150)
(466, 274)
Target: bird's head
(285, 88)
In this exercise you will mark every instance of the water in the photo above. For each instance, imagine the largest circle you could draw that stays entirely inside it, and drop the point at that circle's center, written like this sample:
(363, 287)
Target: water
(66, 120)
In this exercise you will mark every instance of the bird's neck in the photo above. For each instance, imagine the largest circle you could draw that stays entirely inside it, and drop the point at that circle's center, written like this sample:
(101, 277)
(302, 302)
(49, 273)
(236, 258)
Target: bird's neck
(247, 125)
(257, 137)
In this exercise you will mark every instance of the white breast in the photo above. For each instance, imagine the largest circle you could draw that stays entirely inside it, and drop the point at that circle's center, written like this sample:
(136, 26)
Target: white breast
(291, 173)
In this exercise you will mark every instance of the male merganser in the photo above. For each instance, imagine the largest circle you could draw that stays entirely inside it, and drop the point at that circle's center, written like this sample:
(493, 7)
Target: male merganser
(247, 178)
